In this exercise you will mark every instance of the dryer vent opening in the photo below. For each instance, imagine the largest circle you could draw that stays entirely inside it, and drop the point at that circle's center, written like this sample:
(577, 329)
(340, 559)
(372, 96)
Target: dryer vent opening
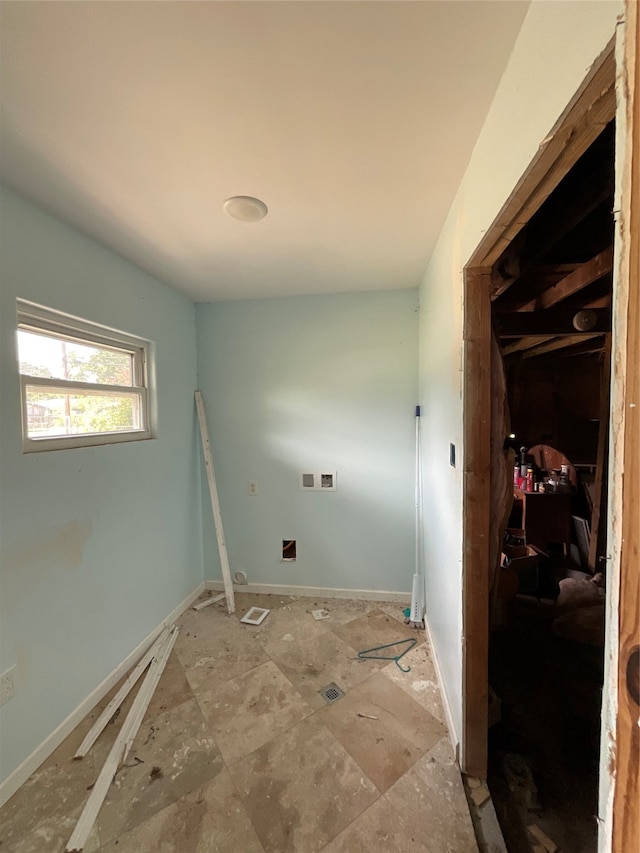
(289, 549)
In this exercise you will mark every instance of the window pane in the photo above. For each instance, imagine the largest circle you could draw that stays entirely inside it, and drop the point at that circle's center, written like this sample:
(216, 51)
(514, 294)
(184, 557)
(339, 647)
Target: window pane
(43, 355)
(52, 413)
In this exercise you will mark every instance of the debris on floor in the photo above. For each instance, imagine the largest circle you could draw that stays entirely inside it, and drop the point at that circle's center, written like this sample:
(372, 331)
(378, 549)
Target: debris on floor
(483, 815)
(407, 645)
(237, 713)
(155, 659)
(255, 616)
(479, 793)
(320, 614)
(208, 601)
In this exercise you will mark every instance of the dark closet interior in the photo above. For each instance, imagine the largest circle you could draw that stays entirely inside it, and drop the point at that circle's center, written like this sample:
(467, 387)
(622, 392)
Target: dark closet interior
(551, 314)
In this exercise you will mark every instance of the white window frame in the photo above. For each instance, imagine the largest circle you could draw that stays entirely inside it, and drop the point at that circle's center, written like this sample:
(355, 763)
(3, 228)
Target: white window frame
(47, 321)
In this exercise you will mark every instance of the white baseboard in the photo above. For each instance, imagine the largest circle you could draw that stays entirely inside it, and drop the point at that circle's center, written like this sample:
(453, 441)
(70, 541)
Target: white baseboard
(19, 776)
(454, 735)
(314, 591)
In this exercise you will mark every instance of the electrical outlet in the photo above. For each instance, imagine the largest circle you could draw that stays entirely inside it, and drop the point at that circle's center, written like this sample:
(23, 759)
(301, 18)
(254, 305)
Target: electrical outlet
(7, 684)
(252, 487)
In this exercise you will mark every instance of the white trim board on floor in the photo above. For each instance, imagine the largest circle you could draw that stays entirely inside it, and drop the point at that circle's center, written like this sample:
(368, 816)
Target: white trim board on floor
(315, 591)
(454, 735)
(22, 772)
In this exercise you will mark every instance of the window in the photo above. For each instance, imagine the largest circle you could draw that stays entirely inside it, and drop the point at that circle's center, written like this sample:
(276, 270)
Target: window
(82, 384)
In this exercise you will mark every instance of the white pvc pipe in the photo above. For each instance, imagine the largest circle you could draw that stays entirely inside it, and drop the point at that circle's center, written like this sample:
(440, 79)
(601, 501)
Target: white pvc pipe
(417, 605)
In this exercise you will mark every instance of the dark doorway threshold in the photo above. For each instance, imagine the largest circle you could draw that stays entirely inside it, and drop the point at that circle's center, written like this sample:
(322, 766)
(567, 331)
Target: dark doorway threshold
(544, 751)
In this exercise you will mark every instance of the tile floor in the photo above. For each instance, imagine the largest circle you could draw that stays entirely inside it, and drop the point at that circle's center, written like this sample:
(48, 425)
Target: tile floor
(239, 753)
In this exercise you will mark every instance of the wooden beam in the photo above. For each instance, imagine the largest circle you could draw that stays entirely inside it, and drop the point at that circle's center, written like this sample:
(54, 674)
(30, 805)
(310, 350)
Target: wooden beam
(507, 270)
(476, 484)
(597, 517)
(215, 503)
(579, 195)
(600, 302)
(547, 270)
(580, 278)
(532, 280)
(557, 344)
(526, 343)
(571, 205)
(587, 349)
(519, 324)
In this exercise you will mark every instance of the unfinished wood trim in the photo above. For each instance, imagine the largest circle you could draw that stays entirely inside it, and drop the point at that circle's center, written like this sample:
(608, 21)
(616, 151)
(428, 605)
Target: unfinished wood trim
(592, 108)
(626, 808)
(476, 518)
(119, 749)
(215, 503)
(98, 727)
(577, 280)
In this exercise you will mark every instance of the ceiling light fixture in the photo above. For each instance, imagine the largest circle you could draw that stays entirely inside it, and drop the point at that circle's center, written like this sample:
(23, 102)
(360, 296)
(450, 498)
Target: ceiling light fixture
(245, 208)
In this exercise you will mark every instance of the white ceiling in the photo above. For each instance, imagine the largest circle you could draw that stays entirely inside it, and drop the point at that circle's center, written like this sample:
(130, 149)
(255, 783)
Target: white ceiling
(353, 121)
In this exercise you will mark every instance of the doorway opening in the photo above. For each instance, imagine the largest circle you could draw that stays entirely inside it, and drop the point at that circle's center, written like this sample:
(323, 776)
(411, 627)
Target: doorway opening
(514, 275)
(551, 319)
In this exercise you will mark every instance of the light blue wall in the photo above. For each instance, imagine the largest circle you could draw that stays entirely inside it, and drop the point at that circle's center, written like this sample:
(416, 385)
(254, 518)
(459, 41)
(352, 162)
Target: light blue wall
(305, 383)
(98, 544)
(546, 68)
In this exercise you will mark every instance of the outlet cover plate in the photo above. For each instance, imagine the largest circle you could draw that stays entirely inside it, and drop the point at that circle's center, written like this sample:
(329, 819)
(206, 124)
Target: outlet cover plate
(255, 616)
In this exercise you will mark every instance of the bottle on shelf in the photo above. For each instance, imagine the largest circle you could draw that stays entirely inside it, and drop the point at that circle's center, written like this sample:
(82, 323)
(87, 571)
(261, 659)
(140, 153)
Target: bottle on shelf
(529, 479)
(523, 463)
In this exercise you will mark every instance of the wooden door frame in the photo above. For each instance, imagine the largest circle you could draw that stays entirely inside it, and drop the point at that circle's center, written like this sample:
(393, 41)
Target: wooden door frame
(591, 109)
(620, 757)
